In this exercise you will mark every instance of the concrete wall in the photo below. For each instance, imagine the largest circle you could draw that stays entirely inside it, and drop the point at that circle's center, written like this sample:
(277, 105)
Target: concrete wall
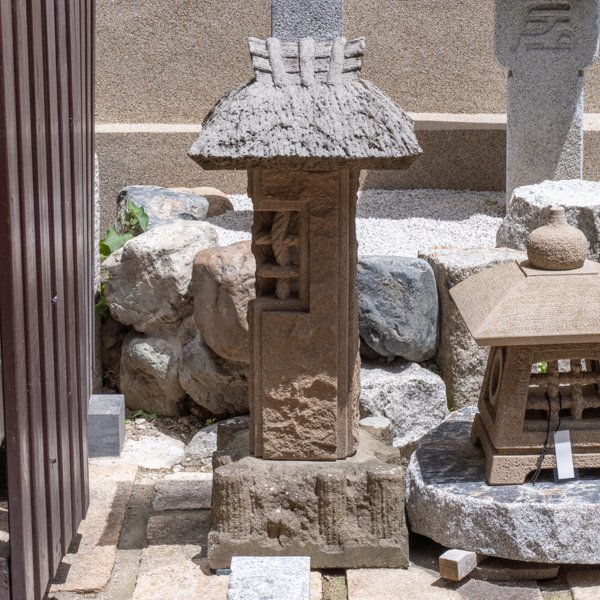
(167, 62)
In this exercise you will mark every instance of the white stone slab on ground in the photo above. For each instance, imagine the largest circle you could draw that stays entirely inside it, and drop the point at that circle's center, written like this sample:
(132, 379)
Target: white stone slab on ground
(153, 452)
(269, 578)
(89, 569)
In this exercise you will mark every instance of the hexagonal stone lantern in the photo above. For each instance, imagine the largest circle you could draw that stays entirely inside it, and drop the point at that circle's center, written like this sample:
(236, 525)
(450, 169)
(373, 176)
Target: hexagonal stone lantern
(542, 321)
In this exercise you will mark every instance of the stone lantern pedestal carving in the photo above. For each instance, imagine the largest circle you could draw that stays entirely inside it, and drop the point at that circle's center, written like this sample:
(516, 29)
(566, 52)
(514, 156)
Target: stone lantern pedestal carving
(304, 128)
(542, 321)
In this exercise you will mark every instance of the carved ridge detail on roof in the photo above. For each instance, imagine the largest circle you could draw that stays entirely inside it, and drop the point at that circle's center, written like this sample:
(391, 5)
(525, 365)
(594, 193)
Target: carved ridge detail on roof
(306, 62)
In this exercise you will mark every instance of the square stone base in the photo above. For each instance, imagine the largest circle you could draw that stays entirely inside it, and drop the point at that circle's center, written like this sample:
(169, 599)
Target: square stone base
(106, 425)
(345, 514)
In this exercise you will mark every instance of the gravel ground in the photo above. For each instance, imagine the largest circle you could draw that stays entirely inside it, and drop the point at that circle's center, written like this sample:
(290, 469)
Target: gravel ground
(400, 222)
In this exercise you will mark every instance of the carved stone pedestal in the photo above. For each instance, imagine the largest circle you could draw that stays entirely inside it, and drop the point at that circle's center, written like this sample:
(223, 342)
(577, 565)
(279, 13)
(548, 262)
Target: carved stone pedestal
(347, 514)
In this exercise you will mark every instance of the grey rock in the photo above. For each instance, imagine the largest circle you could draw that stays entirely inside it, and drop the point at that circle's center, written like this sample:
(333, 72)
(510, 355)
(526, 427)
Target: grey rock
(149, 371)
(269, 578)
(223, 282)
(149, 278)
(545, 86)
(106, 425)
(530, 208)
(202, 445)
(213, 382)
(162, 205)
(218, 202)
(459, 358)
(397, 306)
(183, 491)
(557, 523)
(322, 20)
(411, 397)
(379, 427)
(214, 437)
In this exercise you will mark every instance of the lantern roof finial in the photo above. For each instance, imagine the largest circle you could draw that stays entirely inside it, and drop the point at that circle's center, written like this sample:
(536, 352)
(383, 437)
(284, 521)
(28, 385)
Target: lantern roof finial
(557, 246)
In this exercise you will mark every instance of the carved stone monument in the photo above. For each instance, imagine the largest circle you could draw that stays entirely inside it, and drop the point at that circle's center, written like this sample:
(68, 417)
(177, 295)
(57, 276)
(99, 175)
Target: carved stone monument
(541, 319)
(545, 45)
(304, 127)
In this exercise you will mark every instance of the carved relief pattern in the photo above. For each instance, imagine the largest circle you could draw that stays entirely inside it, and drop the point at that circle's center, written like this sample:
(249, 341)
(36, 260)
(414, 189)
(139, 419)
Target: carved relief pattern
(548, 27)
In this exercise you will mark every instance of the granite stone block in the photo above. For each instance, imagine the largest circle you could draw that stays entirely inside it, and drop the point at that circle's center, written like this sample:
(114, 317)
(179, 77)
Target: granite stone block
(269, 578)
(106, 425)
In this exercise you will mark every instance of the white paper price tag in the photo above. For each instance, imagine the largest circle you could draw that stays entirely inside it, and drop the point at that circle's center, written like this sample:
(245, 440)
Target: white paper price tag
(564, 455)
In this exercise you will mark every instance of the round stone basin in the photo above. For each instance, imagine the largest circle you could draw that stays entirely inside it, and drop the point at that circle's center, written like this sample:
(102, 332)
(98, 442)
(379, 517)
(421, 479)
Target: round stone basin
(449, 501)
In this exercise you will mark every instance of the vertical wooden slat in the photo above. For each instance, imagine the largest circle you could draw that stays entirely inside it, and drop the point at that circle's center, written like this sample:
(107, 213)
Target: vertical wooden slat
(74, 85)
(12, 324)
(29, 180)
(43, 179)
(46, 295)
(59, 289)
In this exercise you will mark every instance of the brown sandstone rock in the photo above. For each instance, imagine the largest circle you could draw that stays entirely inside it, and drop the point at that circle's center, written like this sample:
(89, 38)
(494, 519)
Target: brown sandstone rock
(223, 283)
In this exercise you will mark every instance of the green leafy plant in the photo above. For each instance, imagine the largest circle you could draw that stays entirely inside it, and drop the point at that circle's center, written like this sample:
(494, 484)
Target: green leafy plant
(134, 222)
(542, 367)
(142, 414)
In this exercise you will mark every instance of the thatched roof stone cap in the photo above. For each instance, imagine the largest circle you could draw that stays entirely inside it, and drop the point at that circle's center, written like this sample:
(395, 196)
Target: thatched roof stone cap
(306, 108)
(509, 306)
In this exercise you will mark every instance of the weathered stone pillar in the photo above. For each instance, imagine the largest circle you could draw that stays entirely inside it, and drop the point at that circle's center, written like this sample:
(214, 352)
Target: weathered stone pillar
(546, 46)
(304, 330)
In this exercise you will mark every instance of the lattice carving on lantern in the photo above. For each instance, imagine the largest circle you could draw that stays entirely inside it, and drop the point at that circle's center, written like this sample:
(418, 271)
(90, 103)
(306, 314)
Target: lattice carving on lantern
(278, 253)
(569, 389)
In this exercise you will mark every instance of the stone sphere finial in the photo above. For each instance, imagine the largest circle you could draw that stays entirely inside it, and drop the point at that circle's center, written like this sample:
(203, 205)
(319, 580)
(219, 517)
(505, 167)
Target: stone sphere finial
(557, 246)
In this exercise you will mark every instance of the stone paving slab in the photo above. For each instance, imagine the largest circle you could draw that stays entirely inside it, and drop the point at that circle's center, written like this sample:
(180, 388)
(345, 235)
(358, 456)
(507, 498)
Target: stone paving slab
(184, 491)
(316, 586)
(179, 529)
(89, 568)
(585, 585)
(474, 589)
(178, 573)
(414, 582)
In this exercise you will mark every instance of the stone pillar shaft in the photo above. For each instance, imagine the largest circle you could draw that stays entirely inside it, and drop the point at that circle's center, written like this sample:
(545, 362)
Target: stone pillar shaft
(304, 330)
(546, 45)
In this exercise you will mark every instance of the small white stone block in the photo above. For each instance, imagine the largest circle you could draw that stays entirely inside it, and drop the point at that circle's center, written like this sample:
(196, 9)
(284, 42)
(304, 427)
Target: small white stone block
(269, 578)
(457, 564)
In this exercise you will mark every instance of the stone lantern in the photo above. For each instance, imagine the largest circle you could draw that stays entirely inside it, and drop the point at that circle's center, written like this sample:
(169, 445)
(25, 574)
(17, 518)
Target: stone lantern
(541, 319)
(303, 128)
